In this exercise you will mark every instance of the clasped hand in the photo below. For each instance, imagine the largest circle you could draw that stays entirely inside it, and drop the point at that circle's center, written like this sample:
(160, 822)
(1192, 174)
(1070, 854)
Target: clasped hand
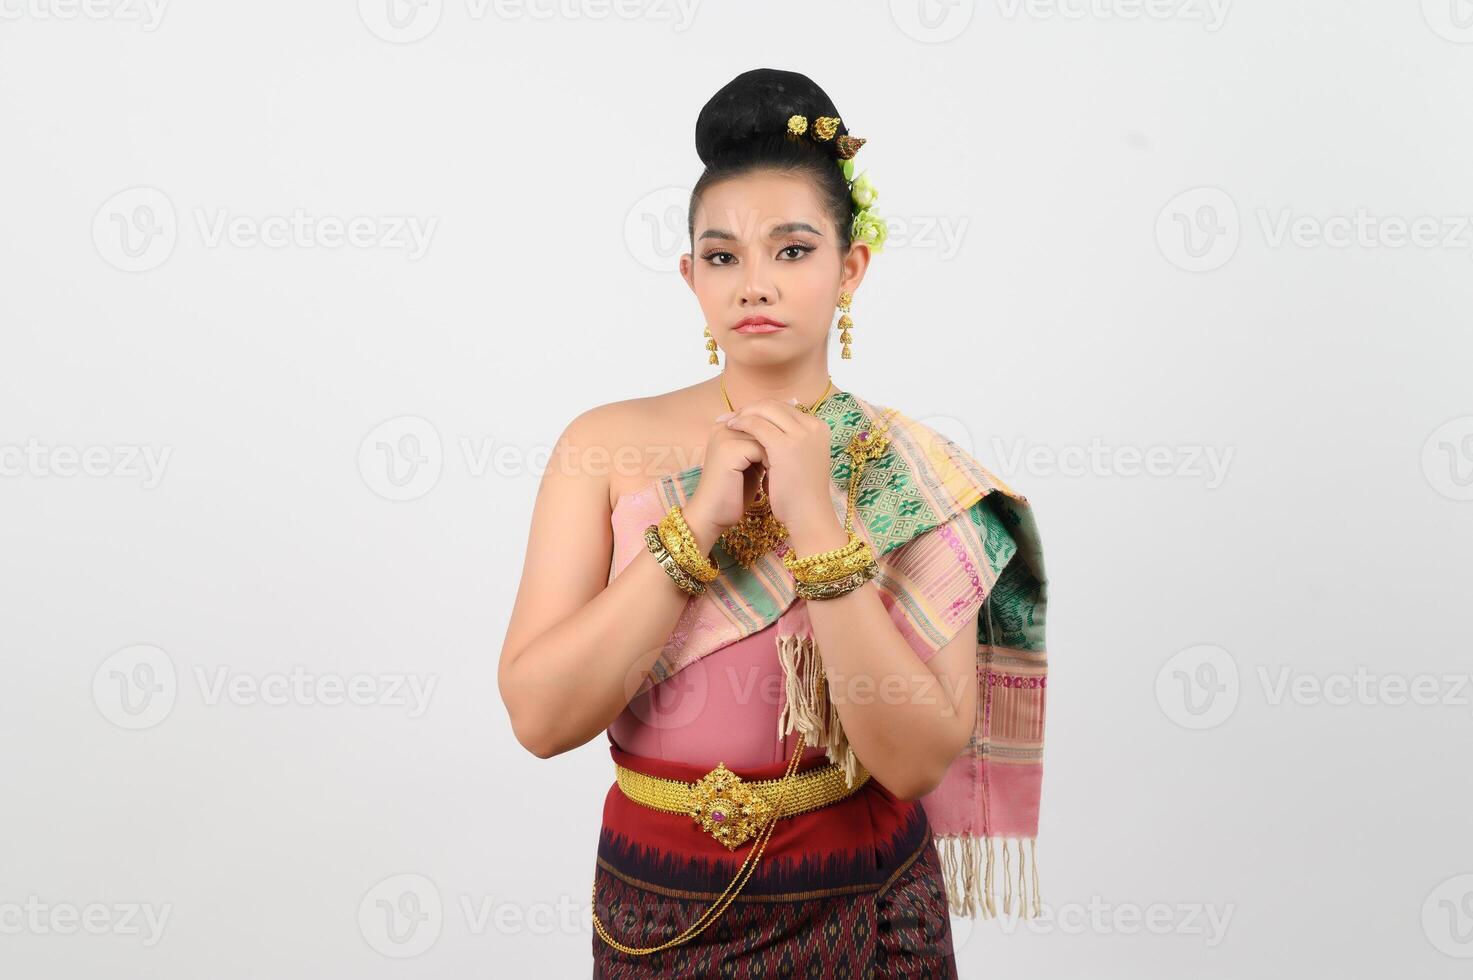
(791, 445)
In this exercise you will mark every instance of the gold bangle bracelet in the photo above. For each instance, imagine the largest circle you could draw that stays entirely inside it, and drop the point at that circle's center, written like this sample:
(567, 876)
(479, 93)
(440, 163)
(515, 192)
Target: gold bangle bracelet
(834, 564)
(831, 569)
(834, 588)
(680, 541)
(853, 545)
(678, 575)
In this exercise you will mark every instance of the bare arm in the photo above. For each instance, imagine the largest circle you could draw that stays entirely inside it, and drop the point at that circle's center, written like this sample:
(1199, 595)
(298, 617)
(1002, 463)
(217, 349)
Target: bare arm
(907, 719)
(578, 646)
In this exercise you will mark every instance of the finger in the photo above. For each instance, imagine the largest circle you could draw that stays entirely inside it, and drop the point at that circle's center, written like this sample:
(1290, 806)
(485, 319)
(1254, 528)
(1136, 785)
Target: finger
(759, 427)
(752, 447)
(786, 417)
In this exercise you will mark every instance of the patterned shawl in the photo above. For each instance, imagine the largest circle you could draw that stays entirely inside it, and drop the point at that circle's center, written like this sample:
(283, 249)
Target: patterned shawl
(950, 539)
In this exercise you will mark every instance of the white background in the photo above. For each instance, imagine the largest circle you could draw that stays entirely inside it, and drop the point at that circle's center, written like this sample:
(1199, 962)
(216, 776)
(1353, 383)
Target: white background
(1086, 203)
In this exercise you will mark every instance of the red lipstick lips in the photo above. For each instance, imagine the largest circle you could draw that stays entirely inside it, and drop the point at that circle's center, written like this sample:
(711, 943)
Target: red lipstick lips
(759, 324)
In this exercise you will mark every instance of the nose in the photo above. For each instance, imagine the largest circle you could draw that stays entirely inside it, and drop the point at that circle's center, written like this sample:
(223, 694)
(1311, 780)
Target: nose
(757, 291)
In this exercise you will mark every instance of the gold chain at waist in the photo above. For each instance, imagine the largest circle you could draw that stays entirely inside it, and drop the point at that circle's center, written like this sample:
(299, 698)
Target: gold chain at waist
(731, 809)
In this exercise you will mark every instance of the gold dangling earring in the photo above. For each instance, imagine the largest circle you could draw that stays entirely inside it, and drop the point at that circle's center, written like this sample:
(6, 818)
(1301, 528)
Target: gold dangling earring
(711, 345)
(845, 322)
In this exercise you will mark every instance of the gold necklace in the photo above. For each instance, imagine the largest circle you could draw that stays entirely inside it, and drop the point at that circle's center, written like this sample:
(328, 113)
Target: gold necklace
(807, 409)
(758, 532)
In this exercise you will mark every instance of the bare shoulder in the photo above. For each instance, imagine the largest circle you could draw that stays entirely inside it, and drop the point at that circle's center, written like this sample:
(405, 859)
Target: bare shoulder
(633, 441)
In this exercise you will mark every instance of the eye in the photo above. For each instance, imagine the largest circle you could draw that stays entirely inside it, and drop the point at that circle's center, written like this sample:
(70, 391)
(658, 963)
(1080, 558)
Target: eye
(800, 249)
(711, 257)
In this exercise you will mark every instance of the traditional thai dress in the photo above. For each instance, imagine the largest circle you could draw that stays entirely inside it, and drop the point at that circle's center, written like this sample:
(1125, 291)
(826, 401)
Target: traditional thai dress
(861, 887)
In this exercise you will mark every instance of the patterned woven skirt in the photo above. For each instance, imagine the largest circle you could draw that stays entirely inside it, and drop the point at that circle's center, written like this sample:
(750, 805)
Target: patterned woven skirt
(853, 890)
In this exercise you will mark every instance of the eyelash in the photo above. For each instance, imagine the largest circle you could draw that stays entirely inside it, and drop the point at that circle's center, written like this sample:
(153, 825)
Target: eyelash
(802, 248)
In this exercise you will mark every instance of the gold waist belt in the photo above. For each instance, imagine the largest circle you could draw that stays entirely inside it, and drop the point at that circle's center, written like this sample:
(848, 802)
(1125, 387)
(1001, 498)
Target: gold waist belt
(731, 809)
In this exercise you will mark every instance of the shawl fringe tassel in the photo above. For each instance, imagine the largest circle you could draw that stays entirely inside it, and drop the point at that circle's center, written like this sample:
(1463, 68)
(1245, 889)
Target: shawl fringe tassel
(802, 712)
(967, 865)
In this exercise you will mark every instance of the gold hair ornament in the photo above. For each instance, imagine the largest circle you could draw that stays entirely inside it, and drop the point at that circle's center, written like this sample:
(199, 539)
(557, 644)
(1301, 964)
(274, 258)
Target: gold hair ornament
(865, 226)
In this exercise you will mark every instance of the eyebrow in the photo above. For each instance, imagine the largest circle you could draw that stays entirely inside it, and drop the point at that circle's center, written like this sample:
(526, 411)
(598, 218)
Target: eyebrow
(777, 231)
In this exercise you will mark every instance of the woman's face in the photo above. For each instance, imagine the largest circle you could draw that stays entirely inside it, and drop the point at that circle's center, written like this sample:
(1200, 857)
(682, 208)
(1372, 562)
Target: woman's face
(764, 247)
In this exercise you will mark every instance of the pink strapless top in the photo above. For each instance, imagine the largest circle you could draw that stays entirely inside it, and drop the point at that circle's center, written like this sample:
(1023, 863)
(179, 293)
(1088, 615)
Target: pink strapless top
(722, 708)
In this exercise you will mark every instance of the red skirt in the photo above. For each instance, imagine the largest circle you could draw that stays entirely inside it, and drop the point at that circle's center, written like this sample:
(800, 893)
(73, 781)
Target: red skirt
(853, 889)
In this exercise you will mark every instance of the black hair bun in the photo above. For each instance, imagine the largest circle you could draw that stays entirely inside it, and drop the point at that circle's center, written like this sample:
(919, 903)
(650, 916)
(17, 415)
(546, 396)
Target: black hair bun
(758, 103)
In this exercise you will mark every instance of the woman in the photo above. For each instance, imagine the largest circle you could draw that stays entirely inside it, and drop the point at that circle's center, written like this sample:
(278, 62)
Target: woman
(816, 650)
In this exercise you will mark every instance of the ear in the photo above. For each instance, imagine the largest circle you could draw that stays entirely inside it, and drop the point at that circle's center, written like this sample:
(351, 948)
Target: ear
(854, 266)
